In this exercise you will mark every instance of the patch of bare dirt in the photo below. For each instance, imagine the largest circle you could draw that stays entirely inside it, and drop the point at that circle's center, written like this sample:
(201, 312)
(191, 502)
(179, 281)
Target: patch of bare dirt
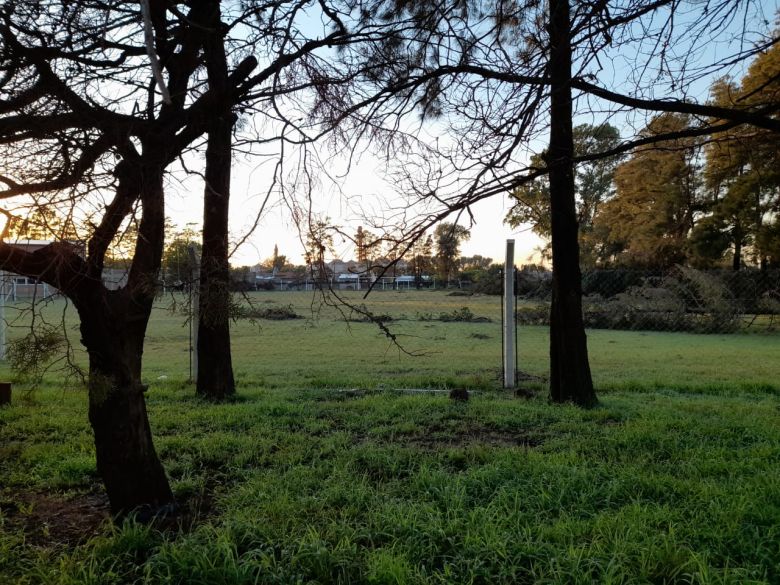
(474, 437)
(48, 519)
(70, 520)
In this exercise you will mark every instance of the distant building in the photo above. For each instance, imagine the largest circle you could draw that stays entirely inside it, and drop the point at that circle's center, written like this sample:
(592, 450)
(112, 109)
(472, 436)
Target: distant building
(339, 274)
(337, 267)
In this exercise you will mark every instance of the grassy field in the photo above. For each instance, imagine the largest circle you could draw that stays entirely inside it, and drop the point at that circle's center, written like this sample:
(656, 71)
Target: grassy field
(324, 472)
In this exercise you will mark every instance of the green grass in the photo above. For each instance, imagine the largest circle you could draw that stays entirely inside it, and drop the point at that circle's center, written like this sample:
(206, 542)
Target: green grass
(674, 478)
(324, 350)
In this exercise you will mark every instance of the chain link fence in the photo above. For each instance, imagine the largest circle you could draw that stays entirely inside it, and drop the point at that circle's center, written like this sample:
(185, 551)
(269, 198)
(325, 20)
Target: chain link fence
(680, 299)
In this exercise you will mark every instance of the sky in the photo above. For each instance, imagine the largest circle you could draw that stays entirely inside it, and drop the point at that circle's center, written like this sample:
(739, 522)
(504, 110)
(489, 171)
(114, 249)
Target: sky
(365, 186)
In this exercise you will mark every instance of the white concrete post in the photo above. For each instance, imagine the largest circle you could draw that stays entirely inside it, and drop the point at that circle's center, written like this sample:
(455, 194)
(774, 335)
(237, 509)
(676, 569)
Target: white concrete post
(509, 315)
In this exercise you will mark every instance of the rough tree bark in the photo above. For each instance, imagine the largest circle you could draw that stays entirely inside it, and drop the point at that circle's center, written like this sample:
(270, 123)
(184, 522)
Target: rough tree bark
(570, 378)
(126, 459)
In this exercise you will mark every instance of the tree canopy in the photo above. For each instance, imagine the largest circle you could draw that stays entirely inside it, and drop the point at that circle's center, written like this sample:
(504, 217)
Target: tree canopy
(594, 185)
(648, 220)
(448, 237)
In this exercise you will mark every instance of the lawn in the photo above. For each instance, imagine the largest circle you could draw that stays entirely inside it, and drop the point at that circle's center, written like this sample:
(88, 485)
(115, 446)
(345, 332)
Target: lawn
(324, 471)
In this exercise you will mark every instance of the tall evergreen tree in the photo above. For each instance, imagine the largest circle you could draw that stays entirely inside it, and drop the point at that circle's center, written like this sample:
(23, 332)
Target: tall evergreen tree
(448, 238)
(594, 186)
(421, 263)
(742, 172)
(652, 213)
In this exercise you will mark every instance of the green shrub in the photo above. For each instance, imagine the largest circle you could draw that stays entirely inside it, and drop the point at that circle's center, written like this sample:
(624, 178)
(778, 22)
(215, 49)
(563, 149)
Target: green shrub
(270, 313)
(30, 356)
(463, 314)
(684, 300)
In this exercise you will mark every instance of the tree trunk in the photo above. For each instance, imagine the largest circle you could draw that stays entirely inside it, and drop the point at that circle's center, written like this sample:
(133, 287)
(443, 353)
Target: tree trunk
(113, 328)
(570, 378)
(736, 262)
(113, 334)
(126, 459)
(215, 367)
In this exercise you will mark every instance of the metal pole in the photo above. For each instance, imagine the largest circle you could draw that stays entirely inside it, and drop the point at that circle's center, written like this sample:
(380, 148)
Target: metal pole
(509, 315)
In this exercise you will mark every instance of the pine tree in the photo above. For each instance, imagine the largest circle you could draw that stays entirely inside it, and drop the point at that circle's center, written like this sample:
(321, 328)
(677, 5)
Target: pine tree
(742, 173)
(594, 186)
(648, 221)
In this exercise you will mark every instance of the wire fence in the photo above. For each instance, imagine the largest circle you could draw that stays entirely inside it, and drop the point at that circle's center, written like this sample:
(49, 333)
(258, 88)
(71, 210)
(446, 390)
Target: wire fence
(680, 299)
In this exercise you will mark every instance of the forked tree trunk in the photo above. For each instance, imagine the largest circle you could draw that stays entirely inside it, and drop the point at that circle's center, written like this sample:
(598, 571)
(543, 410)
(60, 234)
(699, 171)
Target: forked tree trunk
(570, 378)
(113, 328)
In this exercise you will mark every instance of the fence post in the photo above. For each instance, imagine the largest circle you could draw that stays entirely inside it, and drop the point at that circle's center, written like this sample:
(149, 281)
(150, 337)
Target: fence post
(509, 315)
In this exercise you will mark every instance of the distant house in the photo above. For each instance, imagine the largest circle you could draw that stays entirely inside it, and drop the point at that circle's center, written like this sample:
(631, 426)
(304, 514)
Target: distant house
(280, 280)
(337, 273)
(337, 267)
(405, 280)
(354, 280)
